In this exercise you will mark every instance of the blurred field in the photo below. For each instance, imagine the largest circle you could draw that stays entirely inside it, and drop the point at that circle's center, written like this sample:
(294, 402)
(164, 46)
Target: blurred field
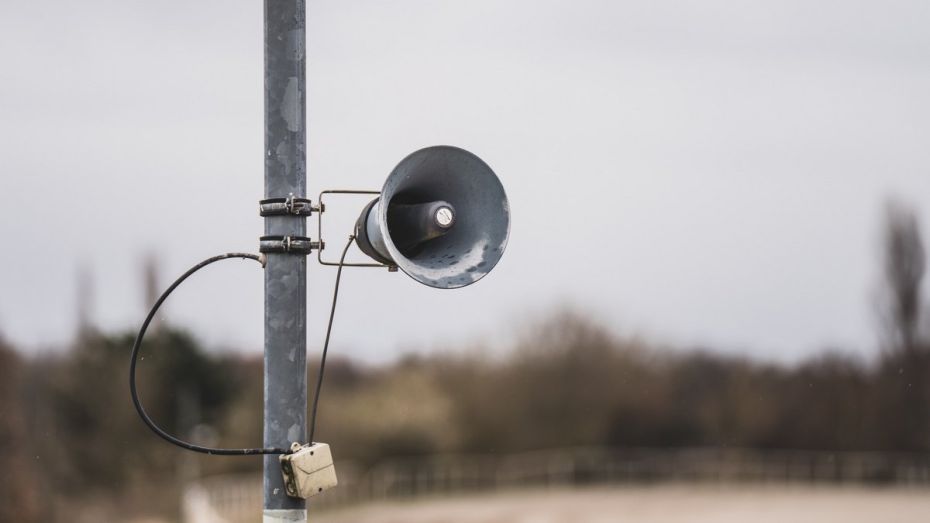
(666, 504)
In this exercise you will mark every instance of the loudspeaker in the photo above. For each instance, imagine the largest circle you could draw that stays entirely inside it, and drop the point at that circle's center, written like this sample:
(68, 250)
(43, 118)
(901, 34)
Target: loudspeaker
(442, 218)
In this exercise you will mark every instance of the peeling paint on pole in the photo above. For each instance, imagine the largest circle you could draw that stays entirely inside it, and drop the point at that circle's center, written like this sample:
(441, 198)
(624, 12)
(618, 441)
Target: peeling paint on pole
(290, 108)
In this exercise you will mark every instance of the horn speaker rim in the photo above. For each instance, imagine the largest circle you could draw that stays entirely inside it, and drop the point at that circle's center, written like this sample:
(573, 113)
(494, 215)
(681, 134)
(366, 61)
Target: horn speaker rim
(493, 186)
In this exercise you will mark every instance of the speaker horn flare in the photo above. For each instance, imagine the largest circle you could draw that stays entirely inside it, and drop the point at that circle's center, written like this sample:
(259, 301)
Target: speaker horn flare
(443, 218)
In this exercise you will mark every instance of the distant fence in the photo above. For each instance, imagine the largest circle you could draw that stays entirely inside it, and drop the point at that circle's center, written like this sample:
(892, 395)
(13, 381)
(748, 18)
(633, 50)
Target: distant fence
(234, 499)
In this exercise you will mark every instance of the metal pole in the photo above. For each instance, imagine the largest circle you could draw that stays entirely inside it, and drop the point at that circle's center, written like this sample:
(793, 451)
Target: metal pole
(285, 274)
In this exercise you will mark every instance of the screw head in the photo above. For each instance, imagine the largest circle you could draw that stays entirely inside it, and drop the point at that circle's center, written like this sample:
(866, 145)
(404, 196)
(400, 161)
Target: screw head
(444, 217)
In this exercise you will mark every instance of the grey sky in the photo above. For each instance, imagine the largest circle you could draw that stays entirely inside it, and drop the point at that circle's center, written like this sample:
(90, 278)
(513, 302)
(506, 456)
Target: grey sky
(698, 172)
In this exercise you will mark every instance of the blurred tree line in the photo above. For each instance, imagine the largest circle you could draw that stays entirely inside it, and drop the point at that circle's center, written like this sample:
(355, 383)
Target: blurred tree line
(69, 434)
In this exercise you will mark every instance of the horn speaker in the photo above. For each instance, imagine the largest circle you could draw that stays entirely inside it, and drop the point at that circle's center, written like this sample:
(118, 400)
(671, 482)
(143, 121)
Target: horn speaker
(442, 218)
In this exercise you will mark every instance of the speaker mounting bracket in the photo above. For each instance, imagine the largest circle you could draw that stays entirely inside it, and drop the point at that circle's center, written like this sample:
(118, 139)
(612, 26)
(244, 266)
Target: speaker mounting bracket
(288, 245)
(289, 206)
(320, 208)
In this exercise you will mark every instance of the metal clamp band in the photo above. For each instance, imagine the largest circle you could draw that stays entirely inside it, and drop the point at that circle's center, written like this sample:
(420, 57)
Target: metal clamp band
(287, 244)
(290, 206)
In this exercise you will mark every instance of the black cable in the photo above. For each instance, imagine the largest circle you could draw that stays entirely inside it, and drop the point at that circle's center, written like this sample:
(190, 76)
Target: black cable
(151, 315)
(329, 328)
(135, 352)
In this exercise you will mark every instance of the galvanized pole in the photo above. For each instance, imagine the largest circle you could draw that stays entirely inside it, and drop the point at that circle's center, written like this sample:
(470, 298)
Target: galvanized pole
(285, 274)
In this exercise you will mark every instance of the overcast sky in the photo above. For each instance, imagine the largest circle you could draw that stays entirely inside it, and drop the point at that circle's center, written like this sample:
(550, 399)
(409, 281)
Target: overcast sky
(701, 173)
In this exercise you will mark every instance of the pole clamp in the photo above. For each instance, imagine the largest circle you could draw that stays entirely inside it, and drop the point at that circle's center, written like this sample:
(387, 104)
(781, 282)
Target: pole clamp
(287, 245)
(290, 206)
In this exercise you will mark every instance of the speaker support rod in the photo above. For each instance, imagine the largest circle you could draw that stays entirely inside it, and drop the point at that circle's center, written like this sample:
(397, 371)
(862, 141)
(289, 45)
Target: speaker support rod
(320, 209)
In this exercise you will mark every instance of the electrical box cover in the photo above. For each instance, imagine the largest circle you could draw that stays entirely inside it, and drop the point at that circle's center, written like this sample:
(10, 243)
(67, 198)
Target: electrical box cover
(308, 470)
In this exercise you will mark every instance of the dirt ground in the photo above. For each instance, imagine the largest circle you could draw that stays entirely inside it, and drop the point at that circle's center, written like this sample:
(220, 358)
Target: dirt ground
(666, 504)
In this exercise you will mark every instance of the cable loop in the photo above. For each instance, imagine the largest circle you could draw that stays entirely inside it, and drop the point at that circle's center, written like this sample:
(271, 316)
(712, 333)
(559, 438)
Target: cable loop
(151, 315)
(135, 353)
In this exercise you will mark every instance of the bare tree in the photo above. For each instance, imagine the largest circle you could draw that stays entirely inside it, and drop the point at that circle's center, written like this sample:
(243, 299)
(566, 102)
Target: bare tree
(905, 266)
(904, 398)
(85, 302)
